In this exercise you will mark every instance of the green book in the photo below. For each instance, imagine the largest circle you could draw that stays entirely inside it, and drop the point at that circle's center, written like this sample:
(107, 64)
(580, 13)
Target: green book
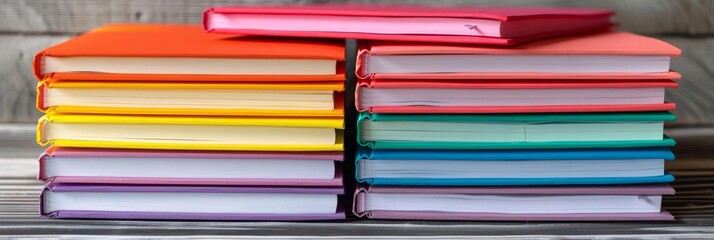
(513, 131)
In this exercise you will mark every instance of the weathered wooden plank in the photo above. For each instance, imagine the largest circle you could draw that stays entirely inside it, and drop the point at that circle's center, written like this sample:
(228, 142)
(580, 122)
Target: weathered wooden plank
(17, 84)
(18, 167)
(18, 217)
(694, 97)
(76, 16)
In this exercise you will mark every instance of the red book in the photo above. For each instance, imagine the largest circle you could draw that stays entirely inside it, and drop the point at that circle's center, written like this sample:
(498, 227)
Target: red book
(511, 96)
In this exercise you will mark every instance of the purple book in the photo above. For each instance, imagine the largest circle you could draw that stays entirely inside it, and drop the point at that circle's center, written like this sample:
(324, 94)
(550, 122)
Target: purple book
(563, 203)
(129, 166)
(154, 202)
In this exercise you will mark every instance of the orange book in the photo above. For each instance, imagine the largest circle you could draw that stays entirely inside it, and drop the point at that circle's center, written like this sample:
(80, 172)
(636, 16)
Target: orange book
(317, 99)
(137, 52)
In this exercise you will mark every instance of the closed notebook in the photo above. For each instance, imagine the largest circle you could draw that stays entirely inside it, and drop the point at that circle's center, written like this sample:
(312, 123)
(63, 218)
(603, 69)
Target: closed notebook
(457, 24)
(513, 167)
(165, 167)
(603, 56)
(318, 99)
(146, 52)
(567, 203)
(513, 131)
(191, 132)
(511, 96)
(216, 203)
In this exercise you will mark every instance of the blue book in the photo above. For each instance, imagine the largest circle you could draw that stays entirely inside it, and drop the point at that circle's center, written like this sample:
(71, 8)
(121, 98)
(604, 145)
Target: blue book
(513, 167)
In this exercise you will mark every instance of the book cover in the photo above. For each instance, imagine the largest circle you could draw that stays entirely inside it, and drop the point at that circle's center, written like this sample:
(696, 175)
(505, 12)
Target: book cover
(186, 41)
(473, 25)
(86, 214)
(606, 43)
(108, 153)
(521, 85)
(360, 205)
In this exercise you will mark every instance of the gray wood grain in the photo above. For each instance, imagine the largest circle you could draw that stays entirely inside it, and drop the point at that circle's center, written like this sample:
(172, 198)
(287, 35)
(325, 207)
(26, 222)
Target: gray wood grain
(692, 206)
(695, 94)
(17, 83)
(18, 167)
(75, 16)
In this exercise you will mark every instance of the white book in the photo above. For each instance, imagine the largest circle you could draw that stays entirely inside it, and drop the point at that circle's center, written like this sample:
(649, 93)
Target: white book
(513, 204)
(445, 169)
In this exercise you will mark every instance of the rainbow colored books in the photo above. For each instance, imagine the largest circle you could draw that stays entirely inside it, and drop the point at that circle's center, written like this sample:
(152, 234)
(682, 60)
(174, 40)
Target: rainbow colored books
(169, 122)
(468, 113)
(560, 129)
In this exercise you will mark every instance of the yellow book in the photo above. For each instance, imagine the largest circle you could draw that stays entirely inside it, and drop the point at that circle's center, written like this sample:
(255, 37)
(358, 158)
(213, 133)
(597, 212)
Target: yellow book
(191, 133)
(319, 99)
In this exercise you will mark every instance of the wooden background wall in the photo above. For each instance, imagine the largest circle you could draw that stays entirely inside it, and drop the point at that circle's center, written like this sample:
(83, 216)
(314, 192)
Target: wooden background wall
(27, 26)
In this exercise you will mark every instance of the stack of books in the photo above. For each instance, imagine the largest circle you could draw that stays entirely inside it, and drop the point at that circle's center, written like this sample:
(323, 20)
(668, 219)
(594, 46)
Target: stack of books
(568, 128)
(508, 114)
(170, 122)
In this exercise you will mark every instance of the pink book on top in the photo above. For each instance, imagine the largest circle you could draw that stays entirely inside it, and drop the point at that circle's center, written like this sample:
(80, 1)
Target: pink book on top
(605, 56)
(164, 167)
(458, 24)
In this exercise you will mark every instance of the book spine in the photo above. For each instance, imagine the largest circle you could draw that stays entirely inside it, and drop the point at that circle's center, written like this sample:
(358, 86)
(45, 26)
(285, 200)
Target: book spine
(358, 101)
(359, 205)
(38, 66)
(41, 160)
(41, 131)
(48, 187)
(361, 62)
(41, 102)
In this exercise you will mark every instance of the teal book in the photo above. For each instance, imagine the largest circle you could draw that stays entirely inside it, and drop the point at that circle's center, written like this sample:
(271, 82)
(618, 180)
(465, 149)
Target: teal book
(513, 131)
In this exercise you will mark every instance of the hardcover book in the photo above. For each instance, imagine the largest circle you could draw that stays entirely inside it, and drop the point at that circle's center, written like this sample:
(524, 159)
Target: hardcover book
(513, 131)
(216, 203)
(513, 167)
(458, 24)
(567, 203)
(145, 52)
(167, 167)
(602, 56)
(317, 99)
(191, 132)
(511, 96)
